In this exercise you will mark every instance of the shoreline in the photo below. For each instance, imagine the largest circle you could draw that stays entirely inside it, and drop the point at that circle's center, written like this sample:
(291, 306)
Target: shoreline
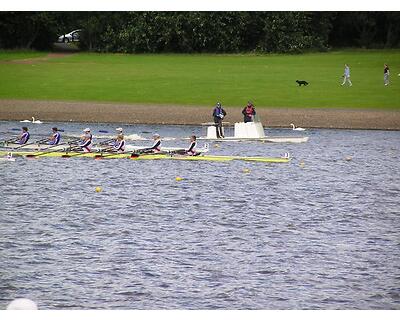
(273, 117)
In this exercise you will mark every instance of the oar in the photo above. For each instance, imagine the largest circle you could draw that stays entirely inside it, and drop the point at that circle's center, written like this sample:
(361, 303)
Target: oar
(177, 151)
(74, 149)
(73, 141)
(141, 151)
(29, 144)
(46, 152)
(107, 149)
(102, 143)
(5, 142)
(53, 146)
(101, 156)
(138, 152)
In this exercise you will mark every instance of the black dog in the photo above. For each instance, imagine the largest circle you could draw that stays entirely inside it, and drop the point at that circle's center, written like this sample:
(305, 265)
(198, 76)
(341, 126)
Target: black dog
(302, 82)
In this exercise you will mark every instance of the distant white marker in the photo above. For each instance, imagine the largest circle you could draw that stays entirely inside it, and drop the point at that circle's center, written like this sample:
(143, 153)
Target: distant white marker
(22, 304)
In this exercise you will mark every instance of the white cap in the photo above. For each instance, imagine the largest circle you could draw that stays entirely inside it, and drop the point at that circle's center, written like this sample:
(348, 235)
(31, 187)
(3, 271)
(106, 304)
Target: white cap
(119, 129)
(22, 304)
(86, 130)
(156, 135)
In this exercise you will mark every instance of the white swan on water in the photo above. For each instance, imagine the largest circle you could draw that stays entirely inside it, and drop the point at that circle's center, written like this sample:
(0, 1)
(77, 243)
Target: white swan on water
(33, 120)
(36, 121)
(297, 129)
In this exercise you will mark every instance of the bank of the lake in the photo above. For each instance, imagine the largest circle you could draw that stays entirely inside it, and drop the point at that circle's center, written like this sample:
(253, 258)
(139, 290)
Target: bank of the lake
(49, 111)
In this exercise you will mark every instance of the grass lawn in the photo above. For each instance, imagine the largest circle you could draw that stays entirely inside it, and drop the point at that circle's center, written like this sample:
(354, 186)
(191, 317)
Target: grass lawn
(6, 55)
(267, 80)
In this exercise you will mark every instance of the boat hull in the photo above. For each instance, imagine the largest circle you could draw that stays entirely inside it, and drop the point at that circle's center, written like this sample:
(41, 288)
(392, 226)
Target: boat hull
(57, 154)
(96, 148)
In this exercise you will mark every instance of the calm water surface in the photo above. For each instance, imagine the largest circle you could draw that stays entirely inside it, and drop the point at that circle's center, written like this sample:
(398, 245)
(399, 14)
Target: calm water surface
(321, 232)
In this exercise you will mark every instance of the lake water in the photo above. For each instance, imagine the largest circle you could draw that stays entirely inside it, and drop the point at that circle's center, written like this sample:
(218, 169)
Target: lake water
(320, 232)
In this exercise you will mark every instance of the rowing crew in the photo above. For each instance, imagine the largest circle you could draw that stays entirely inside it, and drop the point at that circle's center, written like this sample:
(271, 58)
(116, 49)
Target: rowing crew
(84, 144)
(117, 144)
(23, 138)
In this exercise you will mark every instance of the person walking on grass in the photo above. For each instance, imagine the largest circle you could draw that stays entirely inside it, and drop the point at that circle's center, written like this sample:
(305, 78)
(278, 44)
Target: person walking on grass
(346, 75)
(219, 114)
(386, 74)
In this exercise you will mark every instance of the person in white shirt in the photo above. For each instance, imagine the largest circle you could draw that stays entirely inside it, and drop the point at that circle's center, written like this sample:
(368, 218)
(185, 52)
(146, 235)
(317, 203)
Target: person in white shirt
(346, 75)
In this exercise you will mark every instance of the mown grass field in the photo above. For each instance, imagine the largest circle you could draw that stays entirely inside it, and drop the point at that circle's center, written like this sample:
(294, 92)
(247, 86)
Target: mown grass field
(267, 80)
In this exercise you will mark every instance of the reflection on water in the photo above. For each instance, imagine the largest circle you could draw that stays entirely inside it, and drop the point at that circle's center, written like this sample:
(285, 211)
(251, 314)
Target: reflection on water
(321, 232)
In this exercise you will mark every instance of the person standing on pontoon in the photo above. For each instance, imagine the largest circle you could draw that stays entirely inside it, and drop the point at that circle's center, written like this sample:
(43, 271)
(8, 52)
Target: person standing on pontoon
(24, 136)
(219, 114)
(55, 137)
(87, 141)
(249, 112)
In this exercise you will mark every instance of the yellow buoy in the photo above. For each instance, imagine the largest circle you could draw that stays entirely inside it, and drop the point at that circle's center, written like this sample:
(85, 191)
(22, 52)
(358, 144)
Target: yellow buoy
(98, 189)
(246, 170)
(216, 145)
(178, 178)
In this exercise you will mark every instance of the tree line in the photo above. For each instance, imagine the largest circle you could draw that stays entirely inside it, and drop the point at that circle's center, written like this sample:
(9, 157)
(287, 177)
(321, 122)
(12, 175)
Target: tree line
(202, 32)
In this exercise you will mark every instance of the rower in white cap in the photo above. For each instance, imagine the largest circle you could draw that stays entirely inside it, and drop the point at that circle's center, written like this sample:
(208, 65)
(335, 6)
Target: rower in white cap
(87, 138)
(155, 148)
(157, 143)
(120, 133)
(118, 144)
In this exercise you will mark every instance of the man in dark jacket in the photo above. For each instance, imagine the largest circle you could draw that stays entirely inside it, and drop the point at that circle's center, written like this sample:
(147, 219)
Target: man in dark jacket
(219, 114)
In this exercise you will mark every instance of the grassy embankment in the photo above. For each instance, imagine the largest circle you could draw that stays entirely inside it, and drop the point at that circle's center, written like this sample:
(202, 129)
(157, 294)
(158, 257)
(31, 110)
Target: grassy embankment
(267, 80)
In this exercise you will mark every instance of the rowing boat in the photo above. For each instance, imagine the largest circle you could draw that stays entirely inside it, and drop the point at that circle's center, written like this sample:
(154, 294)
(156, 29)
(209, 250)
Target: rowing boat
(95, 155)
(96, 148)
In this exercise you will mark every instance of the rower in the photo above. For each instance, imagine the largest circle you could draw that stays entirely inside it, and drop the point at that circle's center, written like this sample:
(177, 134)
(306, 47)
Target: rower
(24, 136)
(192, 148)
(55, 137)
(120, 144)
(155, 148)
(87, 138)
(119, 134)
(157, 143)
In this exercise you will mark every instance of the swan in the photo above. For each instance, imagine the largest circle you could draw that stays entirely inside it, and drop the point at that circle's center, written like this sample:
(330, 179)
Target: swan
(297, 129)
(33, 120)
(36, 121)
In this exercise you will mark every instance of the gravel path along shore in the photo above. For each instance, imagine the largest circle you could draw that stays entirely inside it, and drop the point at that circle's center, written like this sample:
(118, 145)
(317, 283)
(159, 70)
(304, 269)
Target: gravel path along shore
(169, 114)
